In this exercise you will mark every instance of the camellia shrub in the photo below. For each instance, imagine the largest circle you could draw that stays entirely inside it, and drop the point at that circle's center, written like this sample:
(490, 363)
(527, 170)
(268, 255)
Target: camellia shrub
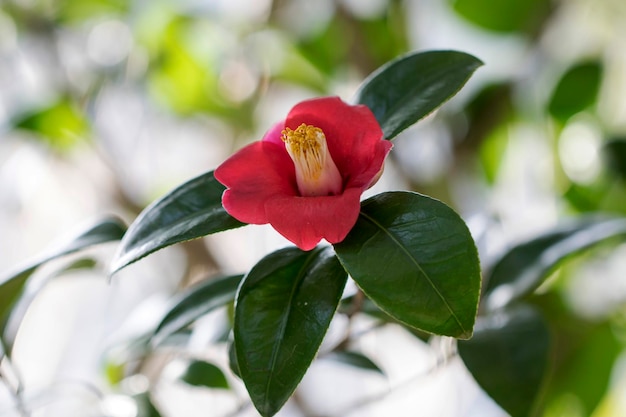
(410, 254)
(412, 257)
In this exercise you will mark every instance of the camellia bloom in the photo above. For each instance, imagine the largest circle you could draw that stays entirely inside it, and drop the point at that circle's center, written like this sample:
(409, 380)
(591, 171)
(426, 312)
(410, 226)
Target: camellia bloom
(306, 176)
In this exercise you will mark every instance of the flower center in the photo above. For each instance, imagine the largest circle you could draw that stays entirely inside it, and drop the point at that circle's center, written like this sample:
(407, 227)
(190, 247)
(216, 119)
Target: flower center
(316, 172)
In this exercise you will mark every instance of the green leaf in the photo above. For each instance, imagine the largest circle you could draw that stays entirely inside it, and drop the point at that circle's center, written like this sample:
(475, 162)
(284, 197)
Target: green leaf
(195, 303)
(588, 353)
(192, 210)
(408, 88)
(233, 364)
(28, 294)
(614, 152)
(576, 91)
(204, 374)
(284, 307)
(508, 357)
(61, 125)
(11, 286)
(504, 16)
(355, 359)
(145, 406)
(415, 258)
(524, 267)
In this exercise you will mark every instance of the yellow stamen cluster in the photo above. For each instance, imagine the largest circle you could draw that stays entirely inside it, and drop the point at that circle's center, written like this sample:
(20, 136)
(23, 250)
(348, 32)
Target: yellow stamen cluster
(306, 146)
(316, 172)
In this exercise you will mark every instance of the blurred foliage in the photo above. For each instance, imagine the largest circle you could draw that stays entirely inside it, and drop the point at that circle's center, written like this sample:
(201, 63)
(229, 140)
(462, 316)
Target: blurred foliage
(500, 16)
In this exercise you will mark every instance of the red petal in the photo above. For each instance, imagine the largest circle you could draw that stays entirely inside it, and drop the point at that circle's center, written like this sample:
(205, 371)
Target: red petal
(307, 220)
(354, 137)
(274, 135)
(257, 173)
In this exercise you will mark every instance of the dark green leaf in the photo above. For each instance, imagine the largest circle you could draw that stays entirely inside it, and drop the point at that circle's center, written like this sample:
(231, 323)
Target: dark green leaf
(415, 258)
(576, 91)
(407, 89)
(508, 357)
(615, 155)
(195, 303)
(524, 267)
(12, 285)
(355, 359)
(284, 307)
(204, 374)
(192, 210)
(504, 16)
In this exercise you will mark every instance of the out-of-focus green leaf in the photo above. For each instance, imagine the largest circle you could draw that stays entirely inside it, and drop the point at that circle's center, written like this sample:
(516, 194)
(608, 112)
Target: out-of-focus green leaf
(284, 307)
(204, 374)
(145, 406)
(80, 10)
(586, 357)
(488, 116)
(504, 16)
(80, 264)
(576, 91)
(179, 79)
(508, 357)
(192, 210)
(415, 258)
(327, 49)
(296, 68)
(408, 88)
(524, 267)
(385, 37)
(28, 294)
(184, 76)
(615, 155)
(492, 150)
(60, 125)
(194, 303)
(12, 285)
(355, 359)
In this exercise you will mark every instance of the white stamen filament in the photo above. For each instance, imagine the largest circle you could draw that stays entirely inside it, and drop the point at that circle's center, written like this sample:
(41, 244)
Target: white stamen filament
(316, 172)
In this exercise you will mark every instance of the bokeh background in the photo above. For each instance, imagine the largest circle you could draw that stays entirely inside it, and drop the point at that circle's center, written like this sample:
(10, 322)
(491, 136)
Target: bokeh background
(105, 105)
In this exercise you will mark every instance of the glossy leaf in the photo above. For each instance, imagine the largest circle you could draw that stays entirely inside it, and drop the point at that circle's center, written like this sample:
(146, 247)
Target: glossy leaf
(12, 285)
(204, 374)
(192, 210)
(355, 359)
(407, 89)
(415, 258)
(284, 307)
(194, 303)
(576, 90)
(508, 357)
(524, 267)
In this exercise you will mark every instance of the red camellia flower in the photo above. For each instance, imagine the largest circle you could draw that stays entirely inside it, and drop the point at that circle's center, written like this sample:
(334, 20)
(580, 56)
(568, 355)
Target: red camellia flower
(306, 176)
